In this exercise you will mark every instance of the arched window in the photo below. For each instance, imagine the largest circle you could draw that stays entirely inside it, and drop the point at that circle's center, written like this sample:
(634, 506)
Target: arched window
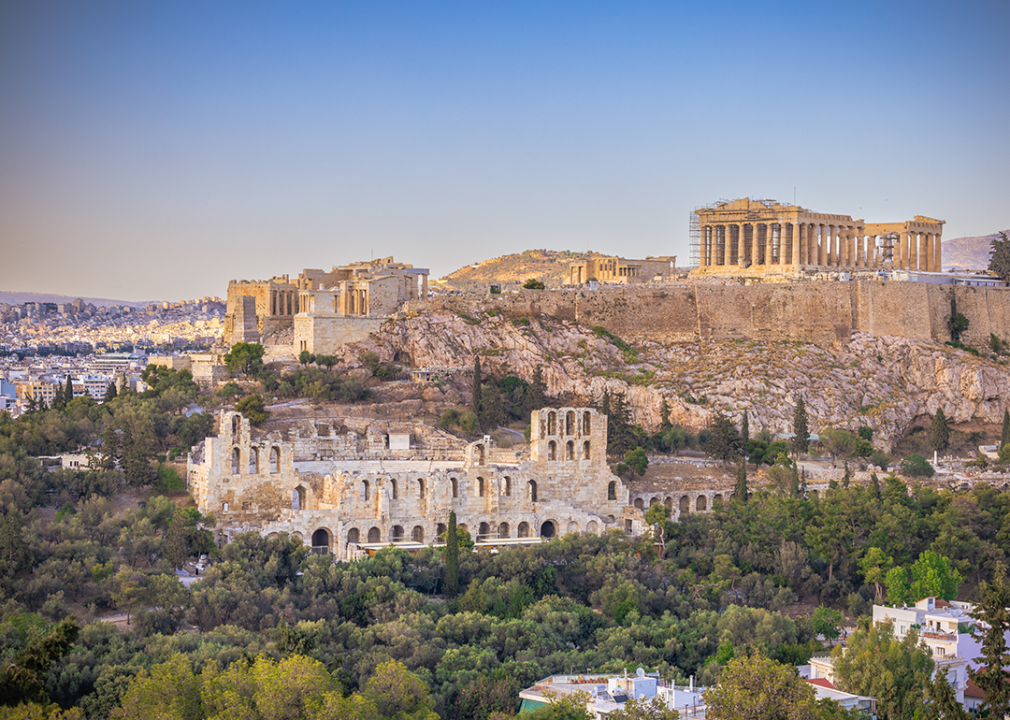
(701, 504)
(552, 450)
(585, 450)
(612, 490)
(254, 461)
(685, 504)
(352, 536)
(639, 504)
(552, 423)
(524, 529)
(592, 527)
(455, 487)
(364, 491)
(573, 527)
(533, 490)
(569, 450)
(234, 461)
(585, 422)
(298, 498)
(397, 535)
(417, 535)
(480, 487)
(392, 488)
(508, 486)
(653, 501)
(420, 487)
(373, 535)
(480, 454)
(548, 530)
(483, 531)
(440, 531)
(224, 508)
(669, 504)
(717, 500)
(234, 428)
(503, 530)
(275, 459)
(570, 422)
(321, 541)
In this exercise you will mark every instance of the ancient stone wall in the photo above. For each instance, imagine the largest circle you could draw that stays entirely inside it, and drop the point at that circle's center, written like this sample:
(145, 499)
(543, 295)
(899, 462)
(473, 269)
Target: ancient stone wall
(818, 312)
(323, 334)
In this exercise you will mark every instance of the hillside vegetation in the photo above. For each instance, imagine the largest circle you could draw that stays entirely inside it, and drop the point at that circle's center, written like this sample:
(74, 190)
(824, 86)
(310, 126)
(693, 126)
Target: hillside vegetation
(511, 271)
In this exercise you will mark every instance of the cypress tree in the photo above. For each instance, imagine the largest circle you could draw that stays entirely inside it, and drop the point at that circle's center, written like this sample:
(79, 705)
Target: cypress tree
(745, 429)
(58, 397)
(110, 392)
(536, 393)
(1005, 437)
(989, 675)
(451, 558)
(476, 387)
(664, 417)
(801, 441)
(939, 433)
(847, 476)
(740, 491)
(68, 394)
(794, 488)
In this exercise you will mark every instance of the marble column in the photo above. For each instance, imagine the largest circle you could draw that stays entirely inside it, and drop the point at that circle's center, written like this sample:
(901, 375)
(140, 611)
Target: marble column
(794, 228)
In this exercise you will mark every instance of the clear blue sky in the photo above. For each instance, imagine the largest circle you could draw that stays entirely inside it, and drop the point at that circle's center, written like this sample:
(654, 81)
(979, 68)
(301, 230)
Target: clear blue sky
(158, 149)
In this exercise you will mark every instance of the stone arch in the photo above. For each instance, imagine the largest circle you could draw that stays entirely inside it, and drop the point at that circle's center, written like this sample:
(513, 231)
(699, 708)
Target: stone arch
(668, 502)
(523, 530)
(483, 531)
(701, 503)
(440, 530)
(254, 461)
(392, 488)
(479, 450)
(420, 487)
(569, 450)
(612, 490)
(586, 422)
(552, 423)
(503, 530)
(321, 541)
(532, 485)
(417, 534)
(585, 450)
(552, 450)
(592, 527)
(549, 529)
(640, 503)
(480, 487)
(455, 487)
(397, 534)
(570, 422)
(507, 487)
(365, 491)
(685, 504)
(464, 528)
(373, 535)
(653, 501)
(235, 460)
(298, 498)
(717, 500)
(573, 527)
(234, 428)
(353, 536)
(275, 460)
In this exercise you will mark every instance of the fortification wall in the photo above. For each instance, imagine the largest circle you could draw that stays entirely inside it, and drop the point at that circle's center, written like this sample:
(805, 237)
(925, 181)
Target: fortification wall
(818, 312)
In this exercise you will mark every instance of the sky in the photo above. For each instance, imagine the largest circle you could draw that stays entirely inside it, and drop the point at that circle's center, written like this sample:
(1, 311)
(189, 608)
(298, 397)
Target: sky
(155, 150)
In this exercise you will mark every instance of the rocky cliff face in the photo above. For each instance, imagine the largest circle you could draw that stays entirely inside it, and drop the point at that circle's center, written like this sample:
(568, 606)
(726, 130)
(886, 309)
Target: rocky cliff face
(882, 382)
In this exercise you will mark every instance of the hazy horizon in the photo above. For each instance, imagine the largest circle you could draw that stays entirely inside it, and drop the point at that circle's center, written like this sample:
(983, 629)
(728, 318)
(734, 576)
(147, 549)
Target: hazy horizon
(157, 151)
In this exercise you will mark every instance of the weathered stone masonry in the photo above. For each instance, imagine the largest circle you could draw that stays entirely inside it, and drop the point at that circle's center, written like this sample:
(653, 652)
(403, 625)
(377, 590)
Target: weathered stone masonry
(336, 505)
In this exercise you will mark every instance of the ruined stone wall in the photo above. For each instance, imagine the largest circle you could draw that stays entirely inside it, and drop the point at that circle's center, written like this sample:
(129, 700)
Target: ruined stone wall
(321, 334)
(818, 312)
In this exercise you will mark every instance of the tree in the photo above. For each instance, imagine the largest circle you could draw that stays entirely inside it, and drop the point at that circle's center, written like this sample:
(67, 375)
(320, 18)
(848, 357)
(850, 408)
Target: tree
(533, 284)
(1005, 435)
(658, 516)
(876, 663)
(564, 707)
(451, 558)
(664, 417)
(745, 429)
(620, 437)
(958, 322)
(801, 439)
(916, 466)
(254, 408)
(933, 576)
(305, 357)
(536, 393)
(642, 709)
(492, 408)
(245, 357)
(395, 693)
(723, 441)
(899, 591)
(22, 679)
(939, 433)
(740, 490)
(110, 393)
(756, 687)
(999, 259)
(637, 461)
(994, 616)
(875, 565)
(941, 702)
(826, 621)
(68, 392)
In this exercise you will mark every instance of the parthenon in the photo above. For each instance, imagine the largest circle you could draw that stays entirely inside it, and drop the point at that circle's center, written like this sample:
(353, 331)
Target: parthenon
(766, 236)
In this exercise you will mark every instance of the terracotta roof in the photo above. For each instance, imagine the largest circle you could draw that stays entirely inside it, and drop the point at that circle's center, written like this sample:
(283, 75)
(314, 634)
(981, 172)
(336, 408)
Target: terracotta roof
(823, 682)
(940, 602)
(973, 690)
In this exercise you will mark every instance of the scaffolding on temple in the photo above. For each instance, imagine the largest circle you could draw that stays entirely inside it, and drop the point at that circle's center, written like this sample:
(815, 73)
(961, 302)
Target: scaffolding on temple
(718, 248)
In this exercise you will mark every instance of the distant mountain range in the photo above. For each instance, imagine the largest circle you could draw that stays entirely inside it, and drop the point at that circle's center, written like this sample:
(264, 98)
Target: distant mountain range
(510, 271)
(968, 253)
(17, 298)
